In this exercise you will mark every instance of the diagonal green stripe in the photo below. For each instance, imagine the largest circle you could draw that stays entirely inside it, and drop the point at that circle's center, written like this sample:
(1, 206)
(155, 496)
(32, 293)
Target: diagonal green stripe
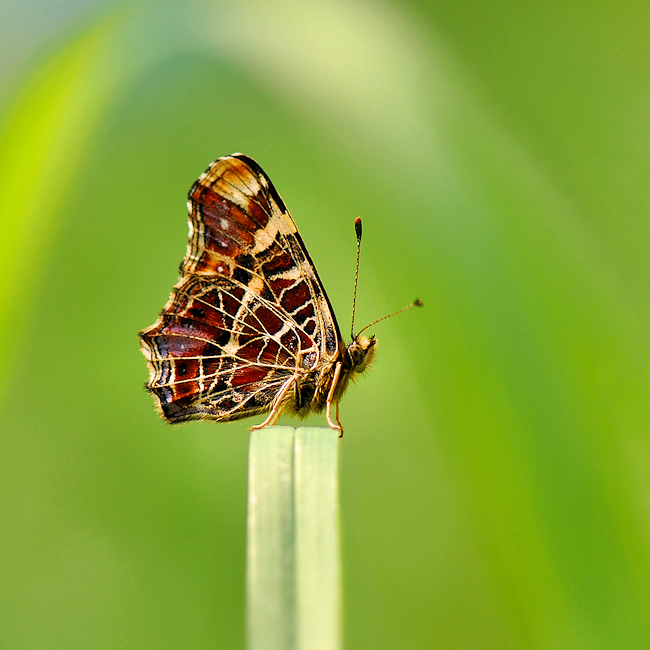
(43, 141)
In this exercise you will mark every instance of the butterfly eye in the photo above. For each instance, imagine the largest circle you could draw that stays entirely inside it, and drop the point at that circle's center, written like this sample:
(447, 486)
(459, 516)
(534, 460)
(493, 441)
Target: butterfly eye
(357, 353)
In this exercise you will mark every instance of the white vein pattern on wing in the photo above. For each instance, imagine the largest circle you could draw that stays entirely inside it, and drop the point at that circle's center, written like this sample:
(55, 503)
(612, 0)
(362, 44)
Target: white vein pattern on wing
(286, 370)
(263, 335)
(267, 387)
(280, 313)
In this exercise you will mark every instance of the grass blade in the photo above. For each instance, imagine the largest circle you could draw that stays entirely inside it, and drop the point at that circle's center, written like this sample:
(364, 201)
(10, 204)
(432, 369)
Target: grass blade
(293, 551)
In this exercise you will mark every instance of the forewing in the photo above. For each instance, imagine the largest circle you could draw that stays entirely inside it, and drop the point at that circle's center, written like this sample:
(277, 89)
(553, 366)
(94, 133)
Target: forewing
(249, 309)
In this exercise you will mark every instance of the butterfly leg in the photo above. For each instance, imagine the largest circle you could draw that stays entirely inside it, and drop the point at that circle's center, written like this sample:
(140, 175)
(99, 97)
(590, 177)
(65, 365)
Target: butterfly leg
(338, 421)
(330, 398)
(275, 408)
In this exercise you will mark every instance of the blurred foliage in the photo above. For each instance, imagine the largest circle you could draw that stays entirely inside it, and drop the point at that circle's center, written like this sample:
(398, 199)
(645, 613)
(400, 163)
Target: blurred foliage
(495, 484)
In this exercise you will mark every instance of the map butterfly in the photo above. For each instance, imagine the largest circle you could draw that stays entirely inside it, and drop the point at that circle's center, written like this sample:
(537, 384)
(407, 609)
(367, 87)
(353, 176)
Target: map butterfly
(248, 328)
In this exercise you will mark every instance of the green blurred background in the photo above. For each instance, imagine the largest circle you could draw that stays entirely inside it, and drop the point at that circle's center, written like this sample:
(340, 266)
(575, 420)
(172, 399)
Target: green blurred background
(495, 469)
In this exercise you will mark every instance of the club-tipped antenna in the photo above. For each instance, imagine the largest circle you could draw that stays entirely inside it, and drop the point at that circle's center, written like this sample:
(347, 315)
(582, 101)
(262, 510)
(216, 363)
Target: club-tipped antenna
(357, 227)
(415, 303)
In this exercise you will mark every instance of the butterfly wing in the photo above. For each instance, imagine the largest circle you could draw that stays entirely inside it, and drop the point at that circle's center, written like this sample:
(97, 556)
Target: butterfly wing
(249, 308)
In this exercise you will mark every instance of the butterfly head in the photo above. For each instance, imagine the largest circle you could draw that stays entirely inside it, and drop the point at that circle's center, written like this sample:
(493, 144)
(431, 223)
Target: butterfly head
(361, 352)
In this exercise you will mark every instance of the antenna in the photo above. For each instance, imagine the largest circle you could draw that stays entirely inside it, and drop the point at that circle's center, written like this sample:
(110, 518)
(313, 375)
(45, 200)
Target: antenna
(415, 303)
(357, 228)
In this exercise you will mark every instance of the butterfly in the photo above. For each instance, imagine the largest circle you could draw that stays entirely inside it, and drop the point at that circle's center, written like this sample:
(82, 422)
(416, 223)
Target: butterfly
(248, 328)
